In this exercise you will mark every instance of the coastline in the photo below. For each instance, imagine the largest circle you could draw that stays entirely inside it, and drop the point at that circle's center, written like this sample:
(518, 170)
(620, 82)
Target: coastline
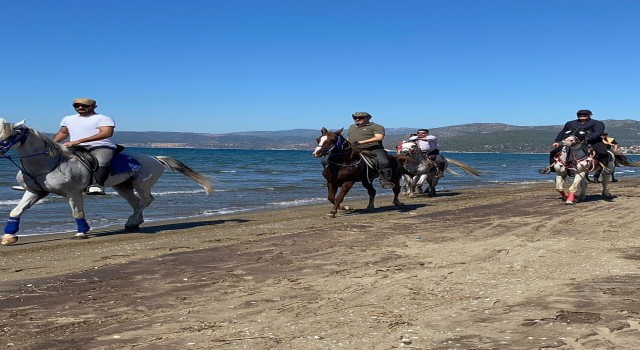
(490, 267)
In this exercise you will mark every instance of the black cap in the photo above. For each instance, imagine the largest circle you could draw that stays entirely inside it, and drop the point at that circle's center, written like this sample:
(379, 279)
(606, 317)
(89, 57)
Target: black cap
(585, 112)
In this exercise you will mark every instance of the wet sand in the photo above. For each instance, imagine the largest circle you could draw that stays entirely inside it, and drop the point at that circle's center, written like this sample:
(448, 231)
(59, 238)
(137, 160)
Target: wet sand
(491, 268)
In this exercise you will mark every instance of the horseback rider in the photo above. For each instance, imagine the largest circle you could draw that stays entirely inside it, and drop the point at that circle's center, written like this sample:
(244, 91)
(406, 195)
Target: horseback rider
(429, 147)
(366, 135)
(609, 142)
(91, 132)
(585, 129)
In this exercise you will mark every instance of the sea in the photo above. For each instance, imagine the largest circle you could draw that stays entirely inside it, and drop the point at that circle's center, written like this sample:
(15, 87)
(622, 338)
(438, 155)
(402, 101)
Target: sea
(249, 180)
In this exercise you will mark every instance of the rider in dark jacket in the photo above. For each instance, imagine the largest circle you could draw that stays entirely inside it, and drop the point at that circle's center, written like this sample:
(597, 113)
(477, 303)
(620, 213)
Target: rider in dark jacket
(585, 129)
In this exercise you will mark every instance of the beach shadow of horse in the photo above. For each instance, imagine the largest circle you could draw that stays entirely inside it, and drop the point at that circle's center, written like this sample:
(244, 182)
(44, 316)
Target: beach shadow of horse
(170, 227)
(345, 166)
(403, 209)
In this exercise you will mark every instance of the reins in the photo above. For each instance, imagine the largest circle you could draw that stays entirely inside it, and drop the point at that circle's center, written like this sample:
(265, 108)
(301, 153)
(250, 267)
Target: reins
(21, 137)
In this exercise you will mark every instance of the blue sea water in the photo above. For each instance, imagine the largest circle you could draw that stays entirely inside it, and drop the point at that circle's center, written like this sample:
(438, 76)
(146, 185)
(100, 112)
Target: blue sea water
(248, 180)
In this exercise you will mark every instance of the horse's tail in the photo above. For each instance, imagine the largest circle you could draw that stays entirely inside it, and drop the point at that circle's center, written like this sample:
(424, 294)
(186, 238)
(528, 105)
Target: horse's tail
(624, 160)
(182, 168)
(467, 168)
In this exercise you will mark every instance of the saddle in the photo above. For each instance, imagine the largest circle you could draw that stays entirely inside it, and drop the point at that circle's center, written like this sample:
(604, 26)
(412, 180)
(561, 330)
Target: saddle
(370, 159)
(120, 163)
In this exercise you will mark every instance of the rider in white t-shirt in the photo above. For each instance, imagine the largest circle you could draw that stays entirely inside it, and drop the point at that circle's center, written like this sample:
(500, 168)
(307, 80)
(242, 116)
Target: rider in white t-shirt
(429, 146)
(92, 132)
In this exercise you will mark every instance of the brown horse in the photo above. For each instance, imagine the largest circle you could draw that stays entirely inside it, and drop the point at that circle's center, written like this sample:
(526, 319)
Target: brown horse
(346, 165)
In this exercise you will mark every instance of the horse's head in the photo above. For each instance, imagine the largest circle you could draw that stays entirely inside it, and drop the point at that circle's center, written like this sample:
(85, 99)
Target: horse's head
(570, 141)
(11, 135)
(407, 148)
(329, 141)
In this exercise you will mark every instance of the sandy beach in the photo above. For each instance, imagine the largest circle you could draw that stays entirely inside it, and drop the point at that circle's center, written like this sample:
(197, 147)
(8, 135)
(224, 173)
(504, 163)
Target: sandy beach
(490, 268)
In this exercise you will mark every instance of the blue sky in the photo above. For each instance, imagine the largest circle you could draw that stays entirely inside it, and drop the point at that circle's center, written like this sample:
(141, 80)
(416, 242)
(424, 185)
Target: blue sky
(249, 65)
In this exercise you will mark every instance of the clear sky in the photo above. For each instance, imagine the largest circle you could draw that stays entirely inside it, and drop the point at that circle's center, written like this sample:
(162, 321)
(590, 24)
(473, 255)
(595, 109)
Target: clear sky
(217, 66)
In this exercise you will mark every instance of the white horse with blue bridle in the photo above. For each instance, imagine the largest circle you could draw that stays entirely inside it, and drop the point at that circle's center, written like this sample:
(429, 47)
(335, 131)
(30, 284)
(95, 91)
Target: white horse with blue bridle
(48, 167)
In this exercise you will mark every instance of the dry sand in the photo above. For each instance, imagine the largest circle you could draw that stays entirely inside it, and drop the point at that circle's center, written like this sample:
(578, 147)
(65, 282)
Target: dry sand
(491, 268)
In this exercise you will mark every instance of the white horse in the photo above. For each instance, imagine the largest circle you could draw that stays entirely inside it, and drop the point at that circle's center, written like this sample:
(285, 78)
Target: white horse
(574, 160)
(47, 167)
(423, 168)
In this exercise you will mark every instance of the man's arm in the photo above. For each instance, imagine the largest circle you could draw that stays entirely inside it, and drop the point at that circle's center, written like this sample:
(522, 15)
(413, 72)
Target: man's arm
(62, 134)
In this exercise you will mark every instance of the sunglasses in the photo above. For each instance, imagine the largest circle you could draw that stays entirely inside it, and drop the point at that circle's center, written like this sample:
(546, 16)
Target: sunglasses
(358, 118)
(583, 115)
(78, 105)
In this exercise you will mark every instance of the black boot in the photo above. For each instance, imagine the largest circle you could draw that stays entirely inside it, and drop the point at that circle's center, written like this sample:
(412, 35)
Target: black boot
(385, 176)
(100, 176)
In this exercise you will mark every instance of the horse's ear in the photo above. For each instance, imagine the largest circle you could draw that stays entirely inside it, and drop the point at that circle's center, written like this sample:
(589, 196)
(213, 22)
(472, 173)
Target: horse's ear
(20, 123)
(324, 130)
(339, 131)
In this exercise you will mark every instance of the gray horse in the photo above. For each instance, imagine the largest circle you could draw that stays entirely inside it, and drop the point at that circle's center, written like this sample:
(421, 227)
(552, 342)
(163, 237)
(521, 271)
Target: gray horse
(424, 169)
(47, 167)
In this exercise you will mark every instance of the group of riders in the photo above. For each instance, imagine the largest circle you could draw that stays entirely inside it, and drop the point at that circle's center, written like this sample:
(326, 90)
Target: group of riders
(367, 135)
(92, 132)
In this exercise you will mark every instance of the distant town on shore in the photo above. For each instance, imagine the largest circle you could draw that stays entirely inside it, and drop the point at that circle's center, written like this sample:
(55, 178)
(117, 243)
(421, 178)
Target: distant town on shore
(475, 137)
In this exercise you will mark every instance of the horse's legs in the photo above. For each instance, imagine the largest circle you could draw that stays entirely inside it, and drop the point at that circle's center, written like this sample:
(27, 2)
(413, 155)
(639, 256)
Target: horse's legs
(433, 180)
(332, 189)
(561, 175)
(605, 181)
(577, 184)
(371, 191)
(396, 193)
(419, 181)
(337, 200)
(76, 202)
(13, 224)
(125, 190)
(144, 199)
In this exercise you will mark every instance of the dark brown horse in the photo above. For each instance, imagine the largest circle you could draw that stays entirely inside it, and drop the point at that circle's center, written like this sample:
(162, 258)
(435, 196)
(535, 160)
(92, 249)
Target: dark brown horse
(345, 166)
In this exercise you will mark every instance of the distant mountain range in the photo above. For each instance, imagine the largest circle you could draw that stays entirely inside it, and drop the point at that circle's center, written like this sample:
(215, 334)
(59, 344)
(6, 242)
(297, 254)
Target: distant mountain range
(476, 137)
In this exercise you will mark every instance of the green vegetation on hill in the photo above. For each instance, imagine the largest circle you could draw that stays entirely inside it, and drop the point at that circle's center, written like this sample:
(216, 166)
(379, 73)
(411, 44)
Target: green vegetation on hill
(477, 137)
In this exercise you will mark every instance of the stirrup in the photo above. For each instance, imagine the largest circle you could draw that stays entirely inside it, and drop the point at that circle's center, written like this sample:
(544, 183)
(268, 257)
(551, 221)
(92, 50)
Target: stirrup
(95, 190)
(18, 188)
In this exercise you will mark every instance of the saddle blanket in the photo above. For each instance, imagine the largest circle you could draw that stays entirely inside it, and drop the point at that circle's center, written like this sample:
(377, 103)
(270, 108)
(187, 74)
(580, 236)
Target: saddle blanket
(124, 163)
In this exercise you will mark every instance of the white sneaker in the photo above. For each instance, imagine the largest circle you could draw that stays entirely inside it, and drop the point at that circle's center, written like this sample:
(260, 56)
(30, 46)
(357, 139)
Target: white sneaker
(95, 190)
(18, 188)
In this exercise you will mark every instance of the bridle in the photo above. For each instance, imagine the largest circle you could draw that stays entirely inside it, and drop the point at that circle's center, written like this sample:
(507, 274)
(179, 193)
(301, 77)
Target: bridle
(19, 137)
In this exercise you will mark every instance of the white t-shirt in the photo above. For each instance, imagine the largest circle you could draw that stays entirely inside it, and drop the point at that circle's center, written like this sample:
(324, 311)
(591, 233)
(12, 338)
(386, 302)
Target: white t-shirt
(81, 127)
(429, 145)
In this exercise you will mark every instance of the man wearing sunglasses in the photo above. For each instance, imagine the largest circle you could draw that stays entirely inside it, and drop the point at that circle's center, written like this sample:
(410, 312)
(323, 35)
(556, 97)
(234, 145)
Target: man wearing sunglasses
(585, 129)
(92, 132)
(366, 135)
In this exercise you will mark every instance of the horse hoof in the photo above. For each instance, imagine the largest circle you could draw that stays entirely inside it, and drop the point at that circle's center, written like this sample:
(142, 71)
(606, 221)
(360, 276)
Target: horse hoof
(80, 235)
(331, 215)
(9, 239)
(569, 203)
(134, 228)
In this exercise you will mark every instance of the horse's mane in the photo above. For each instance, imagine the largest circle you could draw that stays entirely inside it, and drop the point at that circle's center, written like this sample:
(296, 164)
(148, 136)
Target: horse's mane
(52, 148)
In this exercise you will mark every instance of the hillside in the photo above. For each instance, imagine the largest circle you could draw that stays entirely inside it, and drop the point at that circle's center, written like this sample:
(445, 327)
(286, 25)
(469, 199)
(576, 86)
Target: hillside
(476, 137)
